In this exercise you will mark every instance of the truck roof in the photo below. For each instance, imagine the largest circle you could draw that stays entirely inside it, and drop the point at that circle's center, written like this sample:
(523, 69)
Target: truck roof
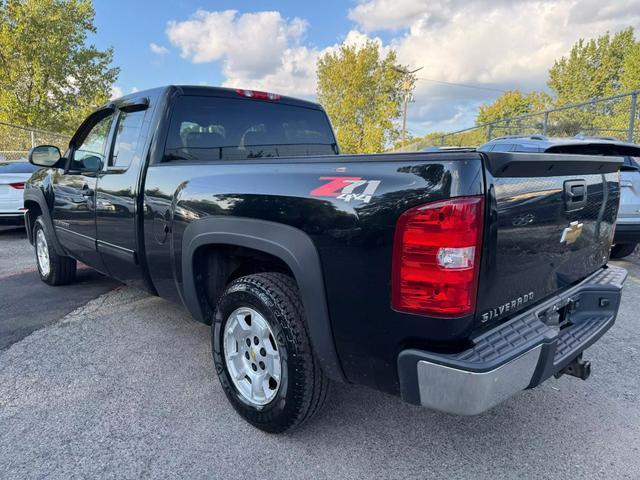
(202, 90)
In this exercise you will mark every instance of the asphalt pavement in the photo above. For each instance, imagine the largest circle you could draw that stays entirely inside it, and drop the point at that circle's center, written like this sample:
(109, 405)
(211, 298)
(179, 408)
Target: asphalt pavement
(124, 387)
(26, 303)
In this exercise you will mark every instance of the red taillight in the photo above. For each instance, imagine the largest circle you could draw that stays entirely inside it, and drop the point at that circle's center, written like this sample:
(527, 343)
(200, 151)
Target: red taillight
(17, 185)
(258, 95)
(436, 258)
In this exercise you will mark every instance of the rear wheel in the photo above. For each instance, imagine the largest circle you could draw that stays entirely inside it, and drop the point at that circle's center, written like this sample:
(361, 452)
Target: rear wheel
(54, 269)
(621, 250)
(263, 355)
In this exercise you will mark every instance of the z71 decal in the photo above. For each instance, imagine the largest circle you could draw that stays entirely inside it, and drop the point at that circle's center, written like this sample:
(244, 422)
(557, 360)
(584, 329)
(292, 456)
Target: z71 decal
(347, 188)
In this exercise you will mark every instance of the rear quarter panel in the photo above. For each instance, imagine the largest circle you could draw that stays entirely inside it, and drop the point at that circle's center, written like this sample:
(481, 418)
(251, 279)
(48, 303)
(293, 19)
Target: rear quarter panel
(353, 235)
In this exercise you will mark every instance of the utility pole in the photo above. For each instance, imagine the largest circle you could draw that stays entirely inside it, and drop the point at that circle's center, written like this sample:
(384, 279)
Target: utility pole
(407, 84)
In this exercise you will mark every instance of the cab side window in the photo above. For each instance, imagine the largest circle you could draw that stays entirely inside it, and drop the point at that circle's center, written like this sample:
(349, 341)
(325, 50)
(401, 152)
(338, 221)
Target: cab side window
(90, 153)
(128, 142)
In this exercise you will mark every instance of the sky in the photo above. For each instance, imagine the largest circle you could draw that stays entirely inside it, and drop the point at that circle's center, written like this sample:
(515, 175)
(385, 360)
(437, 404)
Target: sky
(488, 45)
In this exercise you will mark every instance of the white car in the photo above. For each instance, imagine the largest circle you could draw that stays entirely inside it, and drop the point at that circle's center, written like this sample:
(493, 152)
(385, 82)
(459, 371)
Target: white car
(13, 175)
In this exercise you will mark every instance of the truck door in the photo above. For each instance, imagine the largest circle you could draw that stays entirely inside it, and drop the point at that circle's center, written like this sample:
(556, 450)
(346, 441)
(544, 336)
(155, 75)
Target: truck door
(74, 189)
(117, 194)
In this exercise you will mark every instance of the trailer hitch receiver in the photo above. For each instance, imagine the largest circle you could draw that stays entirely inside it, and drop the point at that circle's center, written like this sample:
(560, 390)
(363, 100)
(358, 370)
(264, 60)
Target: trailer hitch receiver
(577, 368)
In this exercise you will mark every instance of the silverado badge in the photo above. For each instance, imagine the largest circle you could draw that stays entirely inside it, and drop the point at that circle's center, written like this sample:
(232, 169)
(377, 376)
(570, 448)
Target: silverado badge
(571, 233)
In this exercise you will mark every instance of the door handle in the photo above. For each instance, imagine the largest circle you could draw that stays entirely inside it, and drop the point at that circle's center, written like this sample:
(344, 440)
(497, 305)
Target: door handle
(87, 192)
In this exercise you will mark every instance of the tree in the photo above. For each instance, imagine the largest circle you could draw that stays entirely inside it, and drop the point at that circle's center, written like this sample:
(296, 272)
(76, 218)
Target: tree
(510, 104)
(362, 92)
(601, 67)
(49, 77)
(630, 77)
(629, 81)
(592, 69)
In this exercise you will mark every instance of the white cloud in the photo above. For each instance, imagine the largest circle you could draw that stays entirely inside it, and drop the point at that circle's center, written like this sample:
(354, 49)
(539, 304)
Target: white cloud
(501, 44)
(493, 43)
(293, 75)
(260, 50)
(134, 89)
(386, 14)
(158, 49)
(251, 44)
(116, 92)
(587, 11)
(296, 73)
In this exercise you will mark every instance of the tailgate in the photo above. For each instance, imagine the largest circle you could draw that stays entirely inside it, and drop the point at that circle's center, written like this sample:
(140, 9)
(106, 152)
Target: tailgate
(550, 224)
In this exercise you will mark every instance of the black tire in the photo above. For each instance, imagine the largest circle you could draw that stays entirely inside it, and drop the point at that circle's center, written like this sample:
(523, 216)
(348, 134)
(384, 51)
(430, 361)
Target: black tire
(62, 270)
(303, 387)
(621, 250)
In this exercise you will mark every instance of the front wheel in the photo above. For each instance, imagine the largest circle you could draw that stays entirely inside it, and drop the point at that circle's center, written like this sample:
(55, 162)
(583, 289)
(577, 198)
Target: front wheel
(621, 250)
(262, 353)
(53, 269)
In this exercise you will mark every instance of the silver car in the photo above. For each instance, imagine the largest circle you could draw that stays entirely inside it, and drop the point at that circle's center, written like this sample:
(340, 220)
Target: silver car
(13, 175)
(627, 233)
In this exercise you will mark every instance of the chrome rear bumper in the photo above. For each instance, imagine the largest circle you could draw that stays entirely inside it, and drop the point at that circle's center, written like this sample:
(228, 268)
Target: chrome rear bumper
(518, 354)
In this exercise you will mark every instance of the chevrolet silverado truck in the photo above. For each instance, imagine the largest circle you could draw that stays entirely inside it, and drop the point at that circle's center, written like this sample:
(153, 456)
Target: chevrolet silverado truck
(453, 279)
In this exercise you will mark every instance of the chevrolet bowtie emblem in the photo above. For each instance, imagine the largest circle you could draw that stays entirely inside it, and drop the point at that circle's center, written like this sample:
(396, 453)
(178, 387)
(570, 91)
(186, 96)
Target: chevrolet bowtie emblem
(571, 233)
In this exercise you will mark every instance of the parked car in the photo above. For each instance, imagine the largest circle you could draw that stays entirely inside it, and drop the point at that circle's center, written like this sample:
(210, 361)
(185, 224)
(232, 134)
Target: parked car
(13, 175)
(403, 272)
(432, 149)
(627, 233)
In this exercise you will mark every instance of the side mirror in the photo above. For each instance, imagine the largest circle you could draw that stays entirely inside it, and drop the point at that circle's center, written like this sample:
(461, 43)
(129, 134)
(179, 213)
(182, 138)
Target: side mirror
(91, 163)
(44, 155)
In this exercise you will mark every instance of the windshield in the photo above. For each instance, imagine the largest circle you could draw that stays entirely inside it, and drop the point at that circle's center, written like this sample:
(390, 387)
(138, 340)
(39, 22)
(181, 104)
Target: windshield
(213, 128)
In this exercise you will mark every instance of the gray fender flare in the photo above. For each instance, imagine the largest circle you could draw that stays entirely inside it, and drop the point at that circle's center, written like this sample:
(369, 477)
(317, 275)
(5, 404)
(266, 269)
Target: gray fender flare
(292, 246)
(36, 195)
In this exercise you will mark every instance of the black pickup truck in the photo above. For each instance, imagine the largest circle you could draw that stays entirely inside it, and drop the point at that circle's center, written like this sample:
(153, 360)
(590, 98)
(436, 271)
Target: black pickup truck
(453, 279)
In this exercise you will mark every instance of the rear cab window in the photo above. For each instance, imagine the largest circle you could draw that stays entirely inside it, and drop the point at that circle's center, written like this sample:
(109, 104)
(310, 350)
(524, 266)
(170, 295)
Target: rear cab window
(219, 128)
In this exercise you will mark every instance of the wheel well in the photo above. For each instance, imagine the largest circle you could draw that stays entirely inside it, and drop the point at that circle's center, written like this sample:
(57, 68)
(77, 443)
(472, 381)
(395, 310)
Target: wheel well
(34, 211)
(215, 266)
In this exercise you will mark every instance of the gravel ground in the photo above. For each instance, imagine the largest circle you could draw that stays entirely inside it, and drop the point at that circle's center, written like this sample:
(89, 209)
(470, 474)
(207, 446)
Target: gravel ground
(124, 388)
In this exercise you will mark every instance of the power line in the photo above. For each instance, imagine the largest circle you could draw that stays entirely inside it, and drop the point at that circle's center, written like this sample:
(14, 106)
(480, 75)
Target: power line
(464, 85)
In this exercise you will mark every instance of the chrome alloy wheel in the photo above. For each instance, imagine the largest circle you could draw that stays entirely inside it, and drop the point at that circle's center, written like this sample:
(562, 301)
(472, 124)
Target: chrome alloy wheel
(42, 252)
(251, 356)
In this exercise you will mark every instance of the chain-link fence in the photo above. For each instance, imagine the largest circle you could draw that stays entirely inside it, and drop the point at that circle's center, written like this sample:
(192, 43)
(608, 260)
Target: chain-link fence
(615, 117)
(15, 141)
